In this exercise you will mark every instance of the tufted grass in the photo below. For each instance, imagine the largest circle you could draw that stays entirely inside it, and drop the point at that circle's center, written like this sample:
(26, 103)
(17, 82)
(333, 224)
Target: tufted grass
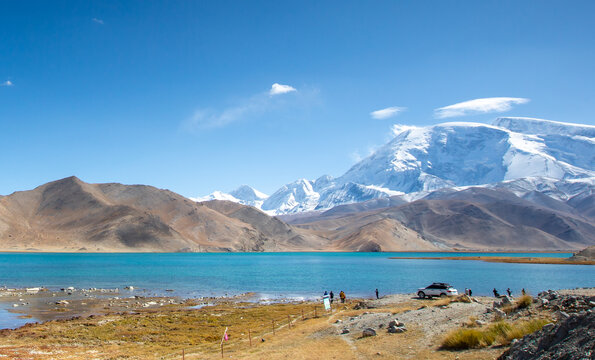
(501, 332)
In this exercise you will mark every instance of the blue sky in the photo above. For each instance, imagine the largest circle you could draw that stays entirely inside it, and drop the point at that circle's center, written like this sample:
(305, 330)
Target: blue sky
(176, 94)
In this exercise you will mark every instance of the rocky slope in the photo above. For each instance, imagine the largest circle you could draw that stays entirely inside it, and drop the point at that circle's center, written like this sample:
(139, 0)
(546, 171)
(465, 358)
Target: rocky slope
(474, 218)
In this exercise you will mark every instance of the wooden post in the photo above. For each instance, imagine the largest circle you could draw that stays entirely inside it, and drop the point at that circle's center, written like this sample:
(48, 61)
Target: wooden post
(250, 337)
(289, 321)
(302, 314)
(273, 327)
(183, 357)
(222, 350)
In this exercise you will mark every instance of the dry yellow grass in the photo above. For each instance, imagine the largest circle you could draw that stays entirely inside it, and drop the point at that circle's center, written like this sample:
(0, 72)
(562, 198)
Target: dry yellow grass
(164, 333)
(501, 332)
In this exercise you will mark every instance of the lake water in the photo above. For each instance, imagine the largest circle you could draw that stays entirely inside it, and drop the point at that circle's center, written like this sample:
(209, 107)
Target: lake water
(292, 275)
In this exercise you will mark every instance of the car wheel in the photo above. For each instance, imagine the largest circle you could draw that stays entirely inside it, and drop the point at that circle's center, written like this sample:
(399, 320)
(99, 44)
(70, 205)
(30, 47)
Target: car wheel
(442, 295)
(421, 294)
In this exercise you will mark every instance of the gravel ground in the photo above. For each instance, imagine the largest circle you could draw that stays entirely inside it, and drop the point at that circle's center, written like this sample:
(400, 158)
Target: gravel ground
(431, 320)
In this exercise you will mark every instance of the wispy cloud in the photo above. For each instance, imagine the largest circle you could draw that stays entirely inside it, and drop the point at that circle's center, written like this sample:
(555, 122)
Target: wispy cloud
(478, 106)
(388, 112)
(98, 21)
(7, 83)
(254, 105)
(277, 89)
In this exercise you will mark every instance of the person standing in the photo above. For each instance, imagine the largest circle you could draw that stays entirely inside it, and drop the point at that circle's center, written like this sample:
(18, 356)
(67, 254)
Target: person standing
(377, 294)
(342, 296)
(332, 296)
(470, 292)
(509, 292)
(496, 293)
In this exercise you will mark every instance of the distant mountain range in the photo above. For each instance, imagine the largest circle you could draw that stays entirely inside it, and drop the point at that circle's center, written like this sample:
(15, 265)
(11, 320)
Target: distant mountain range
(519, 184)
(520, 154)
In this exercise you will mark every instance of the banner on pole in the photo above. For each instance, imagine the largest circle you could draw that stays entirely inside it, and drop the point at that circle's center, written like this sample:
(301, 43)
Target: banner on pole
(326, 300)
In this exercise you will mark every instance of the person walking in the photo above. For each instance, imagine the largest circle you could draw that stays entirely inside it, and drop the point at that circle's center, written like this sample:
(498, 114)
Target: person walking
(342, 296)
(523, 292)
(509, 292)
(470, 292)
(496, 293)
(332, 296)
(377, 294)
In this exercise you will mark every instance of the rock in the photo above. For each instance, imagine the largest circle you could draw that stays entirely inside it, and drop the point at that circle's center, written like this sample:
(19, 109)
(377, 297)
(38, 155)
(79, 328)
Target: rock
(62, 302)
(544, 302)
(368, 332)
(563, 315)
(395, 322)
(129, 287)
(392, 329)
(345, 331)
(479, 322)
(499, 313)
(505, 300)
(571, 338)
(338, 321)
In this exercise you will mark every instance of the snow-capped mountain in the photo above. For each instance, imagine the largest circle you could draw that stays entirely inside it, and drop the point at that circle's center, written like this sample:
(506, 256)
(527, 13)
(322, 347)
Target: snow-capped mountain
(245, 195)
(522, 154)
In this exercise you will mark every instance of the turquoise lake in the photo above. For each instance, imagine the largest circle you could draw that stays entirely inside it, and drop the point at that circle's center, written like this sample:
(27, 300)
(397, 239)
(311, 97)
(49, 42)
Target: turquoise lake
(290, 275)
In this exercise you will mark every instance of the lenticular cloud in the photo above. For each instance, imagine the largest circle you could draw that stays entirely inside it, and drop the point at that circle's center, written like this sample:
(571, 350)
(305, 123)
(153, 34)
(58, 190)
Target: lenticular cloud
(478, 106)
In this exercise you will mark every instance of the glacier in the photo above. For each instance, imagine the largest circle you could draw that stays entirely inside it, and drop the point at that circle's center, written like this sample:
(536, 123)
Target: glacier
(519, 154)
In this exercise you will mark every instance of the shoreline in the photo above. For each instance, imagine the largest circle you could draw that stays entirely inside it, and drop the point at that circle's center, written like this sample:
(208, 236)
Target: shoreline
(467, 251)
(506, 259)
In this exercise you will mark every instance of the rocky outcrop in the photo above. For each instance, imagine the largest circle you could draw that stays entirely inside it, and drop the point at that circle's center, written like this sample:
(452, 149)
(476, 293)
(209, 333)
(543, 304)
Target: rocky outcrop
(572, 338)
(584, 255)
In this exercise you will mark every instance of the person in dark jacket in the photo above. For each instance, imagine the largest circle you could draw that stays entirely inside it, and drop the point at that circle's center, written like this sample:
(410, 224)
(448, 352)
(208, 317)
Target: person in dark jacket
(332, 296)
(496, 293)
(377, 294)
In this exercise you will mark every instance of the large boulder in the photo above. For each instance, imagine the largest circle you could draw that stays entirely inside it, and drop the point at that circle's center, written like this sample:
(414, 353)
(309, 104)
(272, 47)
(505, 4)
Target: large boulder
(572, 338)
(368, 332)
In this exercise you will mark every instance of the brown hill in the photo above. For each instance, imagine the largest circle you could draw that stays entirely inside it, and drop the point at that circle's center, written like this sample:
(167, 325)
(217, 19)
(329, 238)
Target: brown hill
(475, 218)
(71, 215)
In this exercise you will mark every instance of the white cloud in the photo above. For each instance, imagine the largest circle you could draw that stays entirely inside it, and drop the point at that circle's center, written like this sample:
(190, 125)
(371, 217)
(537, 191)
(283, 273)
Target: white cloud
(7, 83)
(478, 106)
(278, 89)
(208, 118)
(250, 107)
(388, 112)
(98, 21)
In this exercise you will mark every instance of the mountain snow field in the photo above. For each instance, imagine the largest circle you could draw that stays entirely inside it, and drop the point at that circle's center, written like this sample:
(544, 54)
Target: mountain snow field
(516, 153)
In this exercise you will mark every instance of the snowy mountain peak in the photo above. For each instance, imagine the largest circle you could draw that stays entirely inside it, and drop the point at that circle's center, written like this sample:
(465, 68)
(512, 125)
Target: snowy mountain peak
(248, 193)
(535, 126)
(419, 160)
(216, 195)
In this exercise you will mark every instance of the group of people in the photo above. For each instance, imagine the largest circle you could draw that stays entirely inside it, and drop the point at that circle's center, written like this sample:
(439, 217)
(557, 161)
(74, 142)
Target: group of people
(332, 296)
(342, 295)
(497, 294)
